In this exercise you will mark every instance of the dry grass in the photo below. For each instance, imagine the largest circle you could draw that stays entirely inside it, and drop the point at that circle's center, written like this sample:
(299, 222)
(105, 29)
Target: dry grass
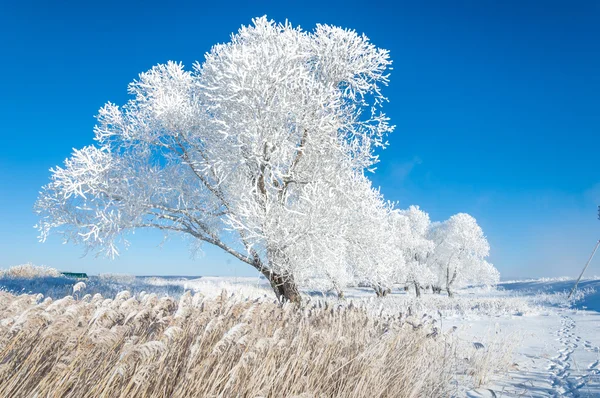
(223, 347)
(483, 361)
(29, 271)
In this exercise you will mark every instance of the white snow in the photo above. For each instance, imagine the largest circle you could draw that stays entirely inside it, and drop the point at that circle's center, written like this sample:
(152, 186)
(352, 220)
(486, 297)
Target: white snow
(556, 352)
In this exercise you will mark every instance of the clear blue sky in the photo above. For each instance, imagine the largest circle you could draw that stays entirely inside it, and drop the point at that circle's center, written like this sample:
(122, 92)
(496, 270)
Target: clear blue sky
(496, 103)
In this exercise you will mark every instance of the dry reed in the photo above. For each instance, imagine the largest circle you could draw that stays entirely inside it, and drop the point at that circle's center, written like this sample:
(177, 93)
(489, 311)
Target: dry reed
(147, 346)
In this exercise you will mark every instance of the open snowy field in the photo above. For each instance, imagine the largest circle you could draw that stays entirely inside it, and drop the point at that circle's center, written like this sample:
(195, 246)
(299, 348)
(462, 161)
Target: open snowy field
(555, 345)
(531, 340)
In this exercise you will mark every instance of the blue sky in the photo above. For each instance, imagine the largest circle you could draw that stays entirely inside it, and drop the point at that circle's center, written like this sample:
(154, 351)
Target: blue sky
(496, 103)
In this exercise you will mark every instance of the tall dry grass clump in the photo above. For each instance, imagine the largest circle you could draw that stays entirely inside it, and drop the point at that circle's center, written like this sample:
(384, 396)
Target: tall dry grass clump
(29, 271)
(148, 346)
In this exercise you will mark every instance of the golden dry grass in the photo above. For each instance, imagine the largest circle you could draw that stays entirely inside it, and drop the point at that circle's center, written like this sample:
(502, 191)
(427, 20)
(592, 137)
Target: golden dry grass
(224, 347)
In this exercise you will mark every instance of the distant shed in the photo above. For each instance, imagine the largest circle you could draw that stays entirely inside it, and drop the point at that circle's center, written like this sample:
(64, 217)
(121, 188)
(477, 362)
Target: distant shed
(77, 275)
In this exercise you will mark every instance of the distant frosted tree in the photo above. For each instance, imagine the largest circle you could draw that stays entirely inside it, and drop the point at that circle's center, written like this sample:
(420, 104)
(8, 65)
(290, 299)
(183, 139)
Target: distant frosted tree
(374, 256)
(459, 253)
(484, 273)
(251, 151)
(325, 262)
(416, 247)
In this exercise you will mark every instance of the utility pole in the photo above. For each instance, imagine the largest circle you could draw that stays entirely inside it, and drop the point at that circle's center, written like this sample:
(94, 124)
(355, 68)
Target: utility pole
(588, 262)
(584, 268)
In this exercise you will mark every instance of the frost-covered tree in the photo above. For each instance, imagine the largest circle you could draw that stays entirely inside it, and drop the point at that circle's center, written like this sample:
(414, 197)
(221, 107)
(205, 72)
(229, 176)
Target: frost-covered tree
(459, 253)
(416, 247)
(484, 273)
(325, 263)
(250, 151)
(374, 254)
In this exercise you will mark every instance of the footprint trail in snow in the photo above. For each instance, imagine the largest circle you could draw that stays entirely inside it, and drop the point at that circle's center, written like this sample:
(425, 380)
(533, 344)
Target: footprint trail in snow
(562, 366)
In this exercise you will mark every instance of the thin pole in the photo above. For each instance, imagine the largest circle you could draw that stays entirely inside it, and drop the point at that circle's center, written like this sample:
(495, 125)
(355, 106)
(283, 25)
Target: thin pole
(584, 268)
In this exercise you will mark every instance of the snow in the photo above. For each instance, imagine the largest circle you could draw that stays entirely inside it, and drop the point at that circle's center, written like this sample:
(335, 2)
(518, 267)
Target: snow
(558, 351)
(538, 342)
(590, 301)
(556, 354)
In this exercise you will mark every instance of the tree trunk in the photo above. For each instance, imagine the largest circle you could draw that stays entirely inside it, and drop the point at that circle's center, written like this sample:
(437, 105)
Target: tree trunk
(339, 291)
(450, 281)
(282, 283)
(417, 289)
(381, 291)
(284, 287)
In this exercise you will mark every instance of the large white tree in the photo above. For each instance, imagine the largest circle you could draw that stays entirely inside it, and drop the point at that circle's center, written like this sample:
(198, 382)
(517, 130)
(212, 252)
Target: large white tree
(459, 254)
(251, 151)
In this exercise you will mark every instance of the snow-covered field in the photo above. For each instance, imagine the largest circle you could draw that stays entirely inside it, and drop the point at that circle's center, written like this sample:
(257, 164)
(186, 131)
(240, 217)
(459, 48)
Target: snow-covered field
(555, 347)
(534, 342)
(545, 343)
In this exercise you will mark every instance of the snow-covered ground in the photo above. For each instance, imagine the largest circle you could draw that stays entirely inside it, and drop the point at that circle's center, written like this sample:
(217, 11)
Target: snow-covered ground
(554, 354)
(556, 351)
(541, 343)
(534, 341)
